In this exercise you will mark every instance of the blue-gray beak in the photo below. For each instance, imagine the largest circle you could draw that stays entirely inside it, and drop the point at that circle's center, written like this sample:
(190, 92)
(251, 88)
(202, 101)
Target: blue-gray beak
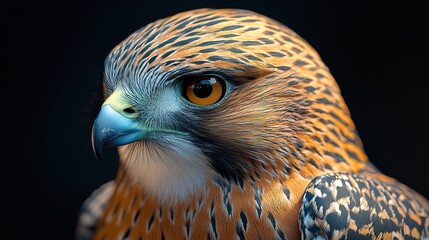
(117, 124)
(112, 128)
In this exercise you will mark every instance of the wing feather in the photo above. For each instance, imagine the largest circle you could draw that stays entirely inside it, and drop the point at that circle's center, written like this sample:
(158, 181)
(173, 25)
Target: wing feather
(356, 206)
(92, 209)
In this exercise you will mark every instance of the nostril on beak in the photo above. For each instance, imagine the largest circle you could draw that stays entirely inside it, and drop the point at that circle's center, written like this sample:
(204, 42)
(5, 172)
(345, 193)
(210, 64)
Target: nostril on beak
(129, 110)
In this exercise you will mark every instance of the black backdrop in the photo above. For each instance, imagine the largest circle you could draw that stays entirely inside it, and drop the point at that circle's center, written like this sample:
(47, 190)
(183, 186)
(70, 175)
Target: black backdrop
(52, 56)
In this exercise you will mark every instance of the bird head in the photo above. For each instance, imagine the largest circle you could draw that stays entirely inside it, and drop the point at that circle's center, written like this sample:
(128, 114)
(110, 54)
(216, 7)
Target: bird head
(221, 94)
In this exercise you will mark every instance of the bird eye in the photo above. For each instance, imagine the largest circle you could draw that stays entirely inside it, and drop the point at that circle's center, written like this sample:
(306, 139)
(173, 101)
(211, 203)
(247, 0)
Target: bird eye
(203, 90)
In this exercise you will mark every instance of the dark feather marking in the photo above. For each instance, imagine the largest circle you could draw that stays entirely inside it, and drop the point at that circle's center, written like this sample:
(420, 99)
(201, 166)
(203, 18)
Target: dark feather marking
(228, 28)
(219, 58)
(171, 214)
(199, 62)
(215, 42)
(276, 54)
(215, 22)
(281, 234)
(168, 41)
(263, 55)
(317, 139)
(288, 39)
(192, 56)
(313, 162)
(136, 217)
(229, 36)
(257, 192)
(313, 149)
(324, 101)
(338, 158)
(283, 68)
(328, 92)
(318, 110)
(192, 33)
(212, 208)
(353, 155)
(160, 212)
(250, 20)
(168, 53)
(251, 57)
(200, 202)
(319, 75)
(239, 231)
(127, 234)
(154, 35)
(213, 224)
(333, 131)
(250, 43)
(307, 80)
(208, 50)
(236, 50)
(243, 219)
(272, 220)
(149, 225)
(327, 166)
(152, 59)
(296, 50)
(274, 29)
(146, 51)
(286, 192)
(187, 212)
(310, 89)
(337, 118)
(329, 140)
(309, 56)
(251, 29)
(129, 60)
(190, 29)
(185, 42)
(229, 208)
(240, 182)
(266, 40)
(300, 63)
(354, 140)
(207, 19)
(183, 24)
(169, 62)
(240, 16)
(188, 228)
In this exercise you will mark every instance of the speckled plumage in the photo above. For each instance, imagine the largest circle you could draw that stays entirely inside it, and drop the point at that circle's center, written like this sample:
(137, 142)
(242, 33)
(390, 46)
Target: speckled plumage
(284, 158)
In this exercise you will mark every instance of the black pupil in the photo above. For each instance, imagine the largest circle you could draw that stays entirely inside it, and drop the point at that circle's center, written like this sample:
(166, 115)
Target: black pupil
(203, 88)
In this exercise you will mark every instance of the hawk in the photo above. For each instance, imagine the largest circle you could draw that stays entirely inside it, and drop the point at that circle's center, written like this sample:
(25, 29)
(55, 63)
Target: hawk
(229, 126)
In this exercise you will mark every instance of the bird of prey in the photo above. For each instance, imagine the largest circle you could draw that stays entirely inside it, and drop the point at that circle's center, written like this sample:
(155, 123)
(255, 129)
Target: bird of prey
(229, 126)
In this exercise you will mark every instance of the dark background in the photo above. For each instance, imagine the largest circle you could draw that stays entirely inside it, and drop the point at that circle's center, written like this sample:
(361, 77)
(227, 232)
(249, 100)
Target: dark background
(52, 57)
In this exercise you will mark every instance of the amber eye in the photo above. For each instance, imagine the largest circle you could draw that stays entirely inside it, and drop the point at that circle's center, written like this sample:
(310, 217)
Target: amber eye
(203, 90)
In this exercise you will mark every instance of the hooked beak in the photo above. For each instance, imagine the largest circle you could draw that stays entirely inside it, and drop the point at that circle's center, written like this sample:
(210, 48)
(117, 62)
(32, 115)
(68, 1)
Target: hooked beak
(115, 124)
(113, 129)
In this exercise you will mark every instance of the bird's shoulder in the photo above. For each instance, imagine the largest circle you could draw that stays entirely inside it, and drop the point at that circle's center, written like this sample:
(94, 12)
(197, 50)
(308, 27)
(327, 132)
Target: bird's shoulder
(364, 206)
(92, 209)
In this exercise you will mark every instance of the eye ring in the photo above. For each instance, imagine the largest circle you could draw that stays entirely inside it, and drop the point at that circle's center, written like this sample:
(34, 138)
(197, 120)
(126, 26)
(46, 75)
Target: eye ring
(203, 90)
